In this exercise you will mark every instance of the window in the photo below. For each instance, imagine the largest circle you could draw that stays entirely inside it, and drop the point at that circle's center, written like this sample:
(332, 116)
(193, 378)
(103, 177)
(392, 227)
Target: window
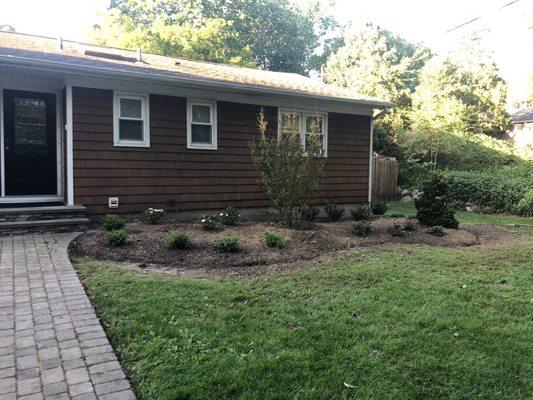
(306, 124)
(131, 124)
(201, 125)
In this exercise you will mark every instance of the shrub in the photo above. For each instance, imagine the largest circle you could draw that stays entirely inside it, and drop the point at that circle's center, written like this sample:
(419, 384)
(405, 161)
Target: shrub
(178, 240)
(288, 172)
(334, 211)
(112, 222)
(435, 231)
(153, 215)
(310, 213)
(116, 237)
(379, 207)
(396, 229)
(361, 228)
(434, 206)
(227, 244)
(525, 206)
(409, 225)
(208, 222)
(274, 239)
(230, 216)
(361, 213)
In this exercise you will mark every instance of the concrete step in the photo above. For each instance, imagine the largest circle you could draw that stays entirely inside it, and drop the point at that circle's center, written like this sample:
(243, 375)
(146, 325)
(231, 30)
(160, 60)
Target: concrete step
(19, 214)
(55, 224)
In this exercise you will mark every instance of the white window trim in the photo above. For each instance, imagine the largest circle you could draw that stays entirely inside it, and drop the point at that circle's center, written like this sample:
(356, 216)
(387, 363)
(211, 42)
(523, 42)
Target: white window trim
(303, 114)
(145, 115)
(214, 122)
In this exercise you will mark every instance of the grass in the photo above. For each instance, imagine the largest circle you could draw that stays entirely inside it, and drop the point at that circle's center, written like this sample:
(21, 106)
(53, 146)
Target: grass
(415, 323)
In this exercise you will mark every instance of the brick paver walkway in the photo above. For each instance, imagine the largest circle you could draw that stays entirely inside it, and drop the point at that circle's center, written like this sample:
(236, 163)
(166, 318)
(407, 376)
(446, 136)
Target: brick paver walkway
(52, 345)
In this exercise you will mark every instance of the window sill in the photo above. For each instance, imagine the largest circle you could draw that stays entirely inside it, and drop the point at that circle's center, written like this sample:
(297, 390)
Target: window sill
(131, 144)
(197, 146)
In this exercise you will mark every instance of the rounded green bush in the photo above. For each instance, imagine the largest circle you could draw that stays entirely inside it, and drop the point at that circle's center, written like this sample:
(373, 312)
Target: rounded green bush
(274, 239)
(409, 225)
(116, 238)
(227, 244)
(396, 230)
(361, 213)
(112, 222)
(310, 213)
(178, 240)
(361, 228)
(208, 222)
(230, 216)
(334, 211)
(379, 207)
(435, 230)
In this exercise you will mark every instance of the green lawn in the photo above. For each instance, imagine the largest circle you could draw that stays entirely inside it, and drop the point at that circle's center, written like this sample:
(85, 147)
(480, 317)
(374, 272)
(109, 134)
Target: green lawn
(416, 323)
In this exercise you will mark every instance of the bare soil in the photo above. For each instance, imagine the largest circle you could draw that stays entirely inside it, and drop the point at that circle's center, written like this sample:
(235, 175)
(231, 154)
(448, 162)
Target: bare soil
(324, 241)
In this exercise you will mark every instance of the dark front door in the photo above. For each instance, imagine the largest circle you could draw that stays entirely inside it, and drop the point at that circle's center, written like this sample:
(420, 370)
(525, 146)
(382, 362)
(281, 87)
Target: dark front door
(30, 143)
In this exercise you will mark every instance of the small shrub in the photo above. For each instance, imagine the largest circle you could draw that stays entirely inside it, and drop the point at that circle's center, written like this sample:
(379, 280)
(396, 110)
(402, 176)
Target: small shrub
(361, 228)
(525, 205)
(230, 216)
(116, 238)
(112, 222)
(396, 230)
(379, 207)
(274, 239)
(227, 244)
(361, 213)
(409, 225)
(434, 206)
(310, 213)
(178, 241)
(435, 231)
(153, 215)
(208, 222)
(334, 211)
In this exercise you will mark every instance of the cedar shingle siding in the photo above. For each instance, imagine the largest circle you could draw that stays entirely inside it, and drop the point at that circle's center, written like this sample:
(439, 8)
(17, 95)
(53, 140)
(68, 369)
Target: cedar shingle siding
(197, 179)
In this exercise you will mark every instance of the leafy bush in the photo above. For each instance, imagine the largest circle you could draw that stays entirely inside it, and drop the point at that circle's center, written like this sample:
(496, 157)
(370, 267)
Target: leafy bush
(434, 206)
(334, 211)
(361, 213)
(435, 230)
(178, 240)
(116, 237)
(396, 229)
(379, 207)
(409, 225)
(112, 222)
(361, 228)
(230, 216)
(525, 206)
(208, 222)
(153, 215)
(274, 239)
(310, 213)
(227, 244)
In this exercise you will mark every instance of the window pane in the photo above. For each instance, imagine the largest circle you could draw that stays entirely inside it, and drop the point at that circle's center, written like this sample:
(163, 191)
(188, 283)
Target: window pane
(314, 124)
(131, 130)
(201, 134)
(130, 108)
(201, 114)
(309, 137)
(290, 122)
(30, 121)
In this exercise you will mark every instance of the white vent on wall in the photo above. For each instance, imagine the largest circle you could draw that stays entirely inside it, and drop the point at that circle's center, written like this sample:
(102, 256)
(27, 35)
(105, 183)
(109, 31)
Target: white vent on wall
(112, 202)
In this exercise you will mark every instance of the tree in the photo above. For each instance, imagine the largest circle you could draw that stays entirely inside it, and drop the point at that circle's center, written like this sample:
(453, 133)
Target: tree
(434, 205)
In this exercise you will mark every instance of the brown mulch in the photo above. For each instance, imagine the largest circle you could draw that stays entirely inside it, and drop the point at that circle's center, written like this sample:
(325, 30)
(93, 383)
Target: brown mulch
(324, 241)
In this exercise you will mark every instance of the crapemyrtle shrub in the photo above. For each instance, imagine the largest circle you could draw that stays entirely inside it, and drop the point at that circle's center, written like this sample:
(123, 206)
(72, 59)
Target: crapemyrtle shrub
(310, 213)
(434, 206)
(379, 207)
(230, 216)
(116, 238)
(396, 230)
(179, 240)
(208, 222)
(435, 230)
(361, 228)
(361, 213)
(112, 222)
(227, 244)
(152, 216)
(274, 239)
(334, 211)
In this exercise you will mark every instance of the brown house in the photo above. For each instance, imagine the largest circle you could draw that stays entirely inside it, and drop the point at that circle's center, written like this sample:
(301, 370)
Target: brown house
(117, 130)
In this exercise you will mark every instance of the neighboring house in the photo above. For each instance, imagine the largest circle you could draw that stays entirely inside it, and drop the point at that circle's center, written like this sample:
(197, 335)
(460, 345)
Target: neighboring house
(105, 127)
(521, 131)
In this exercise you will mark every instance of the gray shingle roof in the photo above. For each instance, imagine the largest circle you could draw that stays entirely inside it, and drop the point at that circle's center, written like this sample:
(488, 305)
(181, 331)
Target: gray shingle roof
(523, 115)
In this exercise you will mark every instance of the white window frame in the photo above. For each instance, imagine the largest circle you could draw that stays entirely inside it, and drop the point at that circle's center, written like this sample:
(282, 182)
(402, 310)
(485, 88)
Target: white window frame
(302, 115)
(145, 118)
(214, 122)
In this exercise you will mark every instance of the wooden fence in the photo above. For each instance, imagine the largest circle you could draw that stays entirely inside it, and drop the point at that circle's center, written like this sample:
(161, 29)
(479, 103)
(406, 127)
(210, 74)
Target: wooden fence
(384, 178)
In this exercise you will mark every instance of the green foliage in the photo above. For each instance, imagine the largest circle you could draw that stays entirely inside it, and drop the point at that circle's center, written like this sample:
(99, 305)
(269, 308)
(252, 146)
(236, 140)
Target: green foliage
(274, 239)
(435, 230)
(208, 222)
(227, 244)
(116, 237)
(288, 173)
(379, 207)
(153, 215)
(334, 211)
(396, 229)
(112, 222)
(434, 206)
(230, 216)
(179, 240)
(525, 205)
(361, 228)
(361, 212)
(409, 225)
(310, 213)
